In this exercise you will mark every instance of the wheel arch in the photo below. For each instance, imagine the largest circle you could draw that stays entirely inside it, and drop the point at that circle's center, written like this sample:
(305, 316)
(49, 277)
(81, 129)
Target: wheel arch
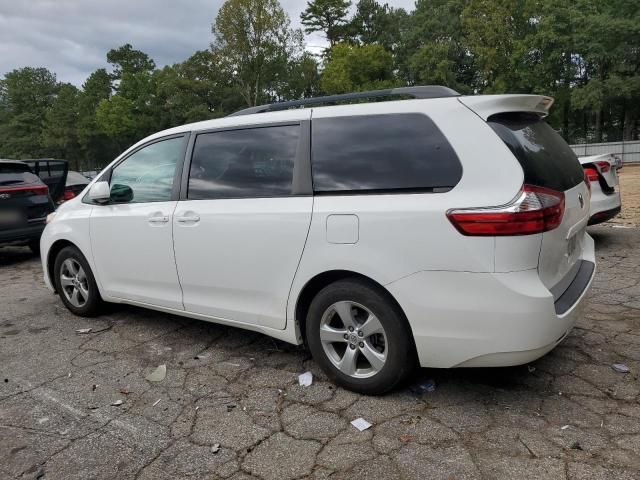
(53, 252)
(321, 280)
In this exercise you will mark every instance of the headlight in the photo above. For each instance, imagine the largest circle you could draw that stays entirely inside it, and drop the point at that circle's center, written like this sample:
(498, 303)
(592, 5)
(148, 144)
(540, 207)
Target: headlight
(50, 217)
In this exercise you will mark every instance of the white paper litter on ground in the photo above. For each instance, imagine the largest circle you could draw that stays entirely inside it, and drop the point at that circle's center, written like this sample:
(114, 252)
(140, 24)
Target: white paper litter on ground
(360, 423)
(117, 403)
(157, 402)
(564, 427)
(83, 330)
(620, 368)
(305, 379)
(158, 374)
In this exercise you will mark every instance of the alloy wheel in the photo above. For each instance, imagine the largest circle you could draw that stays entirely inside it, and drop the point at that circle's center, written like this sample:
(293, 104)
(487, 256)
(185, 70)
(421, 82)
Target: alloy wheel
(353, 339)
(74, 283)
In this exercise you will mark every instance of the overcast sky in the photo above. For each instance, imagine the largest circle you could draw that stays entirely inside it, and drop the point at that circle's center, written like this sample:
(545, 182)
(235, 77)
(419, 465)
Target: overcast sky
(72, 37)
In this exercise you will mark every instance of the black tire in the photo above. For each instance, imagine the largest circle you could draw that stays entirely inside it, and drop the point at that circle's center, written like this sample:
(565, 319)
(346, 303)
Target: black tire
(34, 245)
(401, 358)
(94, 303)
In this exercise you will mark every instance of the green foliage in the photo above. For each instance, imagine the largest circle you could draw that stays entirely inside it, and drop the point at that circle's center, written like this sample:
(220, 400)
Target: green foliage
(433, 49)
(26, 94)
(255, 43)
(376, 23)
(355, 68)
(126, 59)
(60, 133)
(327, 16)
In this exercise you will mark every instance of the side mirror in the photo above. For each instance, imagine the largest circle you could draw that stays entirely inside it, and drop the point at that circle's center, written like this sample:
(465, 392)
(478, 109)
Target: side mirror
(100, 192)
(121, 193)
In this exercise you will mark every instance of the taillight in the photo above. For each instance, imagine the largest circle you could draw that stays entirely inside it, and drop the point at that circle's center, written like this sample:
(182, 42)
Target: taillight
(603, 166)
(37, 190)
(68, 194)
(587, 180)
(534, 210)
(591, 174)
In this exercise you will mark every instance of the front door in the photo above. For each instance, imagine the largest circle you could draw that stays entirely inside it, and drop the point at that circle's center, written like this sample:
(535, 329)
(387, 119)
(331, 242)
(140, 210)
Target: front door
(131, 236)
(240, 231)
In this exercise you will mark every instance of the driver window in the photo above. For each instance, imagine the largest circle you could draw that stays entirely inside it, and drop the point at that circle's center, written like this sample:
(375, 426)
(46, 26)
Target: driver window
(149, 173)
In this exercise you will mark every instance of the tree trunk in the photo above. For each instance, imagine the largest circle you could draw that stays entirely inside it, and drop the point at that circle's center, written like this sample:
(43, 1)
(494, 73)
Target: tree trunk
(628, 124)
(565, 120)
(598, 132)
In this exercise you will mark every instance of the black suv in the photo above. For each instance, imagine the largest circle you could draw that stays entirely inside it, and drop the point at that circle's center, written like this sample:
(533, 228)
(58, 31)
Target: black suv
(25, 203)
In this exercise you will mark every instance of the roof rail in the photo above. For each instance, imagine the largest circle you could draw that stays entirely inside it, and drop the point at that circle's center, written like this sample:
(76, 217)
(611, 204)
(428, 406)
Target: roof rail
(427, 91)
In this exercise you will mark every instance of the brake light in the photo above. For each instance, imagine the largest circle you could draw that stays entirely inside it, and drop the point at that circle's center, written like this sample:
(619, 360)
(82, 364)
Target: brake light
(591, 174)
(68, 194)
(603, 166)
(534, 210)
(29, 190)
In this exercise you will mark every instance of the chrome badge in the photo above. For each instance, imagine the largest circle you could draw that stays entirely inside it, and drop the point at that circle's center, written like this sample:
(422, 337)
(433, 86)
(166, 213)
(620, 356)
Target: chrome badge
(5, 196)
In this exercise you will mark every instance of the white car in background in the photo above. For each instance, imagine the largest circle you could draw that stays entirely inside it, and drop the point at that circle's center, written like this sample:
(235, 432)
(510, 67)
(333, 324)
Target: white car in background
(601, 172)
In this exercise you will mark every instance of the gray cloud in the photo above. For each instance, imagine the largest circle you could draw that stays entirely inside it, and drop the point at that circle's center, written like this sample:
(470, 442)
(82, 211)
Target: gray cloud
(72, 37)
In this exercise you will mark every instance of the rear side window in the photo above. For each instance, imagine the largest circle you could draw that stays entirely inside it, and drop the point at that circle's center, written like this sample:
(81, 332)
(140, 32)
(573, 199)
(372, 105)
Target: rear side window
(380, 153)
(248, 163)
(545, 157)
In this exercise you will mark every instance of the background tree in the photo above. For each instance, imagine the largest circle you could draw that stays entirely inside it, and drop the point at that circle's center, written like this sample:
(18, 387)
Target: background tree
(97, 148)
(126, 59)
(327, 16)
(357, 68)
(60, 132)
(433, 47)
(255, 44)
(25, 96)
(378, 23)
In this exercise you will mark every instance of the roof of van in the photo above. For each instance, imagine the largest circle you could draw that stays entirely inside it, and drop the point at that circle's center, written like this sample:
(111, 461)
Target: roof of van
(483, 105)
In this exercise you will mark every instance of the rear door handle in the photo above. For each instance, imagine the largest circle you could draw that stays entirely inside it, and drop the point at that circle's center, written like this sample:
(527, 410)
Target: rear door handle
(189, 219)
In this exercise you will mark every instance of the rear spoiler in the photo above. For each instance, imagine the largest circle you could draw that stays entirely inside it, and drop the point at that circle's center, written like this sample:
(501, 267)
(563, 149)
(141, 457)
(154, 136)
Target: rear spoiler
(487, 105)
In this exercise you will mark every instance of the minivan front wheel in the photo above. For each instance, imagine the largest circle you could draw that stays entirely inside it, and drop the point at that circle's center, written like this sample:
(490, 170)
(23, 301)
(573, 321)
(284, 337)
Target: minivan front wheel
(75, 283)
(359, 337)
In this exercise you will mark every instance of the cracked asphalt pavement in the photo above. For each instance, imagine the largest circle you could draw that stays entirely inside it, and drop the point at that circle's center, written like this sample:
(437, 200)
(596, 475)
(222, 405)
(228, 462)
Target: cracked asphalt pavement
(231, 407)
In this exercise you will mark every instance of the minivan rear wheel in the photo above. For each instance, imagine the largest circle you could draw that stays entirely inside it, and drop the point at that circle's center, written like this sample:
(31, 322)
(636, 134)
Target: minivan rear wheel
(359, 337)
(76, 284)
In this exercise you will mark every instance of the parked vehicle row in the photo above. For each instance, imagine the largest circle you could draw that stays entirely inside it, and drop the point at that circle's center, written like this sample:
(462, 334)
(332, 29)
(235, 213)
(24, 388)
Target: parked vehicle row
(25, 202)
(443, 230)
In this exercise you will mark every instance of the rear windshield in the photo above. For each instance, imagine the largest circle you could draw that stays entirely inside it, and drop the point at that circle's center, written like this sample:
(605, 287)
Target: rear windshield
(13, 168)
(545, 157)
(14, 173)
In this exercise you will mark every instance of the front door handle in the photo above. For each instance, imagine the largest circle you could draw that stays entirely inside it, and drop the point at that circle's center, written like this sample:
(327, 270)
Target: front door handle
(159, 219)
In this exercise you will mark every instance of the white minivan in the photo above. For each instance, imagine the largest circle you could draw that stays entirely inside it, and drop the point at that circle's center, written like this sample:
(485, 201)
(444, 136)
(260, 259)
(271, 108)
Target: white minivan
(437, 230)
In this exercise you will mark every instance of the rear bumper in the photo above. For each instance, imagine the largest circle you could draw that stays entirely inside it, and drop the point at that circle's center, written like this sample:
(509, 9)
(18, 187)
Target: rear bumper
(603, 206)
(603, 216)
(463, 319)
(21, 235)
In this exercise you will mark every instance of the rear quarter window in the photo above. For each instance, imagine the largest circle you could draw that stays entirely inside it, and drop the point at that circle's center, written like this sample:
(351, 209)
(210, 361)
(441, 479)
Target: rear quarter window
(545, 158)
(378, 153)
